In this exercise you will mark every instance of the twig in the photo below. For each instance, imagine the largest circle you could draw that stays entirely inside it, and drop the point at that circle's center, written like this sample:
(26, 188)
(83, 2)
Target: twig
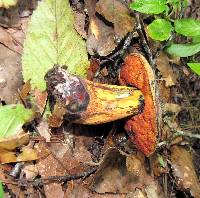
(60, 179)
(140, 30)
(180, 132)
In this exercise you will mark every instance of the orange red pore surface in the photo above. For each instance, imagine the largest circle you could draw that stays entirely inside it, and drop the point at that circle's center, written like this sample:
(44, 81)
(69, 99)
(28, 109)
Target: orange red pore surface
(142, 128)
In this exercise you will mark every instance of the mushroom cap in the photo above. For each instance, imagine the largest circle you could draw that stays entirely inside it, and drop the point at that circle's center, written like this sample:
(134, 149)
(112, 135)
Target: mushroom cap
(142, 128)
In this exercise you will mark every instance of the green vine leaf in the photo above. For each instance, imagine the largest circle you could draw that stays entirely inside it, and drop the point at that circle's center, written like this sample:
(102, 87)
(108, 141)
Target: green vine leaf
(159, 29)
(149, 6)
(12, 118)
(51, 39)
(7, 3)
(183, 50)
(195, 67)
(187, 27)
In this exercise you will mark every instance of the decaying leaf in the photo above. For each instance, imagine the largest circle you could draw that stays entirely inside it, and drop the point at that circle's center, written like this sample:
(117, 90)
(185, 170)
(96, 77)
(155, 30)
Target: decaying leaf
(7, 145)
(117, 13)
(7, 40)
(82, 101)
(100, 36)
(23, 93)
(12, 118)
(50, 166)
(44, 131)
(51, 39)
(168, 75)
(7, 3)
(184, 171)
(40, 100)
(137, 72)
(123, 174)
(173, 108)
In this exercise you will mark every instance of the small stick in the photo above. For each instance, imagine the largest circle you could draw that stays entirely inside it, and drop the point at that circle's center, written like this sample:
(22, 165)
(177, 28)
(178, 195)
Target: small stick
(63, 179)
(140, 30)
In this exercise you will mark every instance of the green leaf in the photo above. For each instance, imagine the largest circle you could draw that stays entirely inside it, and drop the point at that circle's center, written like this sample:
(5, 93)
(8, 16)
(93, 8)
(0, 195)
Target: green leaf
(1, 190)
(183, 50)
(12, 118)
(159, 29)
(187, 27)
(195, 67)
(51, 39)
(196, 39)
(161, 161)
(149, 6)
(7, 3)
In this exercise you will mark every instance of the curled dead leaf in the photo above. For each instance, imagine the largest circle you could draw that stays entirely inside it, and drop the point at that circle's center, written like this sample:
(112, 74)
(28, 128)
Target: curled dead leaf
(184, 171)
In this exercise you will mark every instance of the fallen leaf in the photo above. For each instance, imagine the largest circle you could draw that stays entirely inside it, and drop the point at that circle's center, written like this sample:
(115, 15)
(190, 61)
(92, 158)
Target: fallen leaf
(30, 171)
(27, 154)
(10, 74)
(40, 100)
(15, 141)
(184, 171)
(79, 23)
(7, 3)
(51, 39)
(173, 108)
(117, 13)
(165, 68)
(94, 66)
(44, 131)
(7, 40)
(8, 145)
(23, 93)
(120, 174)
(100, 36)
(12, 118)
(51, 167)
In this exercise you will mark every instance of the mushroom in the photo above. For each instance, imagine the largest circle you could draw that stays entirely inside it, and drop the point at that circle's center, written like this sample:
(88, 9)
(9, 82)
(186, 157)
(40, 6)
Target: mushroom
(142, 128)
(82, 101)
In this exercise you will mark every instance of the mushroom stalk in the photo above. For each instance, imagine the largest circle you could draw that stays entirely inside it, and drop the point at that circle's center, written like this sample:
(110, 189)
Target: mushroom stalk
(82, 101)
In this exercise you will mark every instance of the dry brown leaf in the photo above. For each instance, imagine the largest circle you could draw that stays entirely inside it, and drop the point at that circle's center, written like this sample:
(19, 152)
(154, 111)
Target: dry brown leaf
(120, 174)
(79, 23)
(40, 100)
(164, 67)
(44, 131)
(100, 36)
(117, 13)
(7, 40)
(27, 154)
(184, 171)
(30, 171)
(10, 74)
(157, 168)
(7, 145)
(23, 93)
(173, 108)
(51, 167)
(15, 141)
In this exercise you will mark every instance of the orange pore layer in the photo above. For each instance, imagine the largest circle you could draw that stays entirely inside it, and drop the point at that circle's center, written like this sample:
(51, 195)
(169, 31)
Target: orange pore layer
(143, 126)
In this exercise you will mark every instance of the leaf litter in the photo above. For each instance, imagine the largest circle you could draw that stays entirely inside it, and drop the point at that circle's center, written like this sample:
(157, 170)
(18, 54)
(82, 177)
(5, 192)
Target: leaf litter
(101, 160)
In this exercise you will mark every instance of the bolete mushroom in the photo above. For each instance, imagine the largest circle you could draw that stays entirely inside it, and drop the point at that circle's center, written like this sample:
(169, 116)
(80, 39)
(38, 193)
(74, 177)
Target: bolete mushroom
(82, 101)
